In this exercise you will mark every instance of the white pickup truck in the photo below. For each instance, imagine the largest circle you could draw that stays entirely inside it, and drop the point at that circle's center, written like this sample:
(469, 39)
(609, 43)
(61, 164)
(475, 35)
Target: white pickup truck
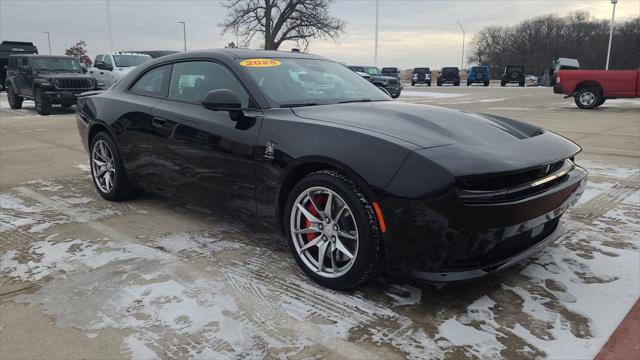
(107, 69)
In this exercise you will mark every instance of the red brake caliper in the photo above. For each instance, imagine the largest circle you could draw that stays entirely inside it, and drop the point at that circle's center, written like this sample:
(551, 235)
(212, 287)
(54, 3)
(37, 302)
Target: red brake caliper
(320, 201)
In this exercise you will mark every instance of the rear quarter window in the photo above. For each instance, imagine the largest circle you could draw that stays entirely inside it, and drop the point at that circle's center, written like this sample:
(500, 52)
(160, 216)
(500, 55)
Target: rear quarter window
(152, 83)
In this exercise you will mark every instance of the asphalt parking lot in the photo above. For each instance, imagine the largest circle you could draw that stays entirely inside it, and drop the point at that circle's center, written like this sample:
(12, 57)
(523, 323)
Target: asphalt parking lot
(84, 278)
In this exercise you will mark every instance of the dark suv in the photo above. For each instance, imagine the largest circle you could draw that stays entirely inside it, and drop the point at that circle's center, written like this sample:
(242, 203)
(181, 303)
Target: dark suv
(388, 83)
(449, 75)
(391, 71)
(421, 76)
(8, 48)
(513, 74)
(46, 80)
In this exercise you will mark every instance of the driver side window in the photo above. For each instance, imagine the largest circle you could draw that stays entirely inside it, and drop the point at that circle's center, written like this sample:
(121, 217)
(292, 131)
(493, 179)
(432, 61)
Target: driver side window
(192, 80)
(107, 60)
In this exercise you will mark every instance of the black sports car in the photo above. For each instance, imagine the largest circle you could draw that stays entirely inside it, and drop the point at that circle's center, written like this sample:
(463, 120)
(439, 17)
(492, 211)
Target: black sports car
(357, 182)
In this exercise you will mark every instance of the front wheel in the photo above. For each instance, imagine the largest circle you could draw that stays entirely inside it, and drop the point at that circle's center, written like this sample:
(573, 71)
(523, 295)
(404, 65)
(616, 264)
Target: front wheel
(429, 83)
(15, 101)
(588, 98)
(332, 230)
(43, 103)
(486, 83)
(107, 169)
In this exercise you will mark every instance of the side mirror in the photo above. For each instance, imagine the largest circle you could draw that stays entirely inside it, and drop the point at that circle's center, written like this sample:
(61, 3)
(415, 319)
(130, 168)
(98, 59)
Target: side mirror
(222, 100)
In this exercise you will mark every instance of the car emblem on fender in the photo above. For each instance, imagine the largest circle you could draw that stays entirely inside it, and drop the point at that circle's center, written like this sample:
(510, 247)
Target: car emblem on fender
(269, 150)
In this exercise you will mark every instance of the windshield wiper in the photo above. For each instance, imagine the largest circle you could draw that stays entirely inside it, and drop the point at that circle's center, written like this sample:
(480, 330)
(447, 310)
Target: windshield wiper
(298, 105)
(354, 101)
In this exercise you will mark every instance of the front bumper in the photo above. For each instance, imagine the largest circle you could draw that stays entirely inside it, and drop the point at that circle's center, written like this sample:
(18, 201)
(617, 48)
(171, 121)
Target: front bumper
(394, 89)
(64, 97)
(450, 240)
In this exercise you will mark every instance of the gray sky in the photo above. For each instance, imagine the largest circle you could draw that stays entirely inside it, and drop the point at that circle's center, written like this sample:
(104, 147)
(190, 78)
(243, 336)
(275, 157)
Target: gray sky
(412, 33)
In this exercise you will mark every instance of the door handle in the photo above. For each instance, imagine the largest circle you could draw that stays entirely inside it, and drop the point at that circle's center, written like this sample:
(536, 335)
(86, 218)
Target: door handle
(159, 122)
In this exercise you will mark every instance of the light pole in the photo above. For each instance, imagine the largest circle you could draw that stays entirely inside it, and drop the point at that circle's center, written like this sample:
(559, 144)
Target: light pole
(107, 10)
(184, 34)
(48, 40)
(375, 53)
(613, 15)
(463, 35)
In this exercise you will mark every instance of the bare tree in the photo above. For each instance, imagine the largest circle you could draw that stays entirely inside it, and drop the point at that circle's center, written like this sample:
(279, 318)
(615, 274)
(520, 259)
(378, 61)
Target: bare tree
(281, 20)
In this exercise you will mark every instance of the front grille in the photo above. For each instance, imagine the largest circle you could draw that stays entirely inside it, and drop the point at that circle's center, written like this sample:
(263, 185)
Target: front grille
(514, 186)
(393, 81)
(74, 84)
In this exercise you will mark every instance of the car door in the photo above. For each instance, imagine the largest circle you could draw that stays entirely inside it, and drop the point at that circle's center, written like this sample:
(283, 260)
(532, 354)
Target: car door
(25, 77)
(134, 127)
(211, 153)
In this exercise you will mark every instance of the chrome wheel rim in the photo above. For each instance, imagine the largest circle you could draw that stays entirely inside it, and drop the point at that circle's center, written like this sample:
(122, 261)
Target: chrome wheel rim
(102, 166)
(587, 98)
(324, 232)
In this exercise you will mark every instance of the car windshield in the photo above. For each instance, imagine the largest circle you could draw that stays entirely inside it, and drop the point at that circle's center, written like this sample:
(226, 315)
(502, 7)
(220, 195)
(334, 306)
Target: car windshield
(515, 68)
(421, 70)
(130, 60)
(477, 69)
(62, 63)
(389, 70)
(450, 70)
(304, 82)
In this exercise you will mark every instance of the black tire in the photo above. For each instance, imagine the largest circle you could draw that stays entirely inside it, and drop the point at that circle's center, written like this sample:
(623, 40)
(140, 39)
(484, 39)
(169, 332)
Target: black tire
(367, 258)
(502, 83)
(15, 101)
(456, 83)
(122, 189)
(602, 100)
(521, 83)
(43, 103)
(588, 97)
(413, 83)
(468, 83)
(486, 83)
(429, 83)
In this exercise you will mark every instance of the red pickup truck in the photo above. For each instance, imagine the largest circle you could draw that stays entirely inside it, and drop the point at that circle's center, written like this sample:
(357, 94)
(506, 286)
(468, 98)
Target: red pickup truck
(591, 88)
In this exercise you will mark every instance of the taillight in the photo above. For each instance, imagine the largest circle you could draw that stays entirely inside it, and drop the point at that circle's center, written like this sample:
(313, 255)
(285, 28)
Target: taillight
(557, 79)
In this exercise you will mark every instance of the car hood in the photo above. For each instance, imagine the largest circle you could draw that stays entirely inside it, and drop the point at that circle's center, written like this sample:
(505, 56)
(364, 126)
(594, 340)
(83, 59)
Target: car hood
(421, 125)
(476, 139)
(60, 75)
(382, 77)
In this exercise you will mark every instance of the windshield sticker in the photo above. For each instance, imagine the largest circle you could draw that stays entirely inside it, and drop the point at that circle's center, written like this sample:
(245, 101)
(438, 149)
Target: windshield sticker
(260, 63)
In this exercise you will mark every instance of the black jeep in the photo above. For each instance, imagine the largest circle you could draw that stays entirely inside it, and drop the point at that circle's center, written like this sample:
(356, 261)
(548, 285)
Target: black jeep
(449, 75)
(389, 84)
(513, 74)
(421, 76)
(46, 80)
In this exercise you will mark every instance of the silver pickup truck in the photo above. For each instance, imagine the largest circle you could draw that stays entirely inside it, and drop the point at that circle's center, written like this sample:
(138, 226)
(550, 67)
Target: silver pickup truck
(107, 69)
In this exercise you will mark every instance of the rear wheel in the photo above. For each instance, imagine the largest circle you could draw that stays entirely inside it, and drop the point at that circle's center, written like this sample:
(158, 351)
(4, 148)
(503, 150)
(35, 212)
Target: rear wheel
(521, 83)
(486, 83)
(15, 101)
(413, 83)
(429, 83)
(588, 97)
(456, 83)
(107, 169)
(43, 103)
(468, 83)
(332, 230)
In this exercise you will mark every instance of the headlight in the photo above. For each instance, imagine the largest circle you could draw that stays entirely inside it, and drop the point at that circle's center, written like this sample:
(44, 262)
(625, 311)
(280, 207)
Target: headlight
(415, 76)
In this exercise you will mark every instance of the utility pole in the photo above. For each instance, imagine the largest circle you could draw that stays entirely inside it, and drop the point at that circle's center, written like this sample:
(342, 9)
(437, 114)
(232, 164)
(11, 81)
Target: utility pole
(48, 40)
(108, 15)
(184, 34)
(375, 56)
(614, 2)
(463, 36)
